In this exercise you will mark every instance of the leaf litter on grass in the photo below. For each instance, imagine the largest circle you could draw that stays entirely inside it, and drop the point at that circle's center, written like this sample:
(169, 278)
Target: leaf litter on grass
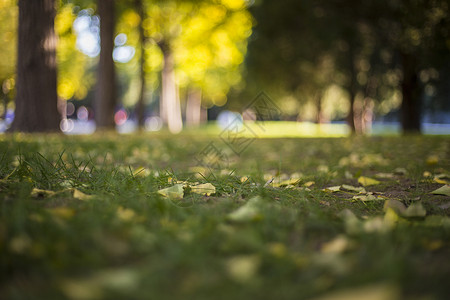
(131, 242)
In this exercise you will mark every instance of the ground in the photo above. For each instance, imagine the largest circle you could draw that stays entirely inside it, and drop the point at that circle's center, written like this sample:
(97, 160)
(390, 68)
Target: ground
(125, 217)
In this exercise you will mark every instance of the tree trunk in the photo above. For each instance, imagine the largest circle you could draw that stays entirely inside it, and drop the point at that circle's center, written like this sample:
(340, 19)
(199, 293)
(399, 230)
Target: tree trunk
(170, 108)
(105, 98)
(36, 100)
(140, 106)
(352, 93)
(194, 107)
(410, 108)
(319, 112)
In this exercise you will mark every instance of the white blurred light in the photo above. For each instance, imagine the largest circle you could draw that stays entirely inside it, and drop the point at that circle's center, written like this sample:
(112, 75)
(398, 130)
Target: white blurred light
(70, 108)
(66, 125)
(82, 113)
(153, 123)
(230, 120)
(120, 39)
(123, 54)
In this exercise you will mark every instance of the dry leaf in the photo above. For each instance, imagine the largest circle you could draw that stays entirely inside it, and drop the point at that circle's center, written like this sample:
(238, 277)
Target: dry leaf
(366, 181)
(243, 268)
(249, 211)
(415, 210)
(332, 189)
(443, 190)
(368, 197)
(38, 193)
(204, 189)
(173, 192)
(395, 205)
(351, 188)
(81, 196)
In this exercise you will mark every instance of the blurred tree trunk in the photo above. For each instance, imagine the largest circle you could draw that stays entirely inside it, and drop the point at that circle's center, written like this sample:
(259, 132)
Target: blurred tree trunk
(410, 108)
(319, 115)
(351, 91)
(170, 102)
(194, 107)
(36, 100)
(105, 97)
(140, 106)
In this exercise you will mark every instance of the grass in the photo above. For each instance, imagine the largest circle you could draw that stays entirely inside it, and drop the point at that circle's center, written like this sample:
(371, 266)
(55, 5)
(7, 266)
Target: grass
(81, 218)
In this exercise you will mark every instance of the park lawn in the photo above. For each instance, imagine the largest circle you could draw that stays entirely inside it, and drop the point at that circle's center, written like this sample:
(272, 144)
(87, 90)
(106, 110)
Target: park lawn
(85, 217)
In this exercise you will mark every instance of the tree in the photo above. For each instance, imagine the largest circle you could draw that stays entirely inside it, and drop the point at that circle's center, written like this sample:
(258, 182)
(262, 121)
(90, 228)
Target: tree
(36, 100)
(105, 98)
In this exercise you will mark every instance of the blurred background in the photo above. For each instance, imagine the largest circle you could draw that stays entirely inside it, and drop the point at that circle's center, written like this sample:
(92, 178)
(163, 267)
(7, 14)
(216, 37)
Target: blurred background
(329, 67)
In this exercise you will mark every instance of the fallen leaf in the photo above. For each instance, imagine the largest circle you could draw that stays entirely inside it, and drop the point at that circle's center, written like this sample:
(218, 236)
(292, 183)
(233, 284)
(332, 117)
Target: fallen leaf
(371, 292)
(337, 245)
(368, 197)
(442, 179)
(385, 175)
(366, 181)
(62, 212)
(432, 160)
(400, 171)
(291, 181)
(395, 205)
(415, 210)
(309, 183)
(38, 193)
(332, 189)
(204, 189)
(427, 174)
(351, 188)
(249, 211)
(243, 268)
(77, 194)
(443, 190)
(174, 192)
(125, 214)
(141, 172)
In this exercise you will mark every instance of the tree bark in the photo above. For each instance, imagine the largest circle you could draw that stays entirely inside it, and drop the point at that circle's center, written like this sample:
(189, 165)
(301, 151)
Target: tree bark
(140, 106)
(410, 107)
(170, 101)
(105, 98)
(36, 100)
(352, 93)
(194, 107)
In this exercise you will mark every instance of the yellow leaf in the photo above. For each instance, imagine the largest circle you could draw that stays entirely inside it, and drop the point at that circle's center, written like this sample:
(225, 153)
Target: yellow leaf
(443, 190)
(337, 245)
(173, 192)
(309, 183)
(141, 172)
(442, 179)
(125, 214)
(367, 198)
(243, 268)
(395, 205)
(204, 189)
(432, 160)
(332, 189)
(38, 193)
(366, 181)
(385, 175)
(62, 212)
(427, 174)
(351, 188)
(81, 196)
(371, 292)
(291, 181)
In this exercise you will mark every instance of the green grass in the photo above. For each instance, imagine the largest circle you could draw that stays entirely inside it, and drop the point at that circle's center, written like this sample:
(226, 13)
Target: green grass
(126, 241)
